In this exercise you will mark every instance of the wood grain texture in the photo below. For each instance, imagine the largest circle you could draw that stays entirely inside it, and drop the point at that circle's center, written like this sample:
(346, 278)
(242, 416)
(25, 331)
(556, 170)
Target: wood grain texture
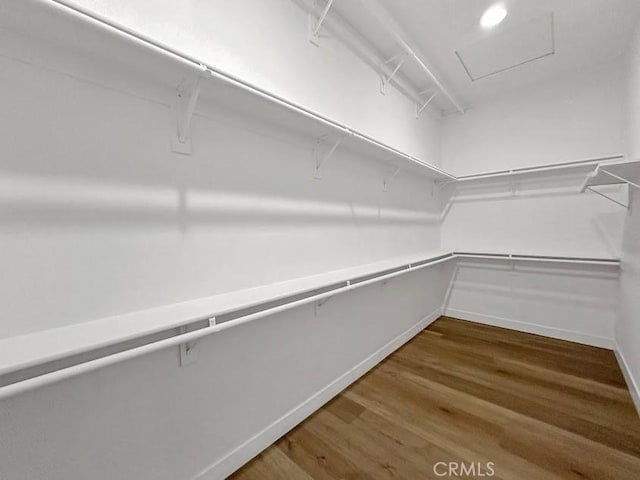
(538, 408)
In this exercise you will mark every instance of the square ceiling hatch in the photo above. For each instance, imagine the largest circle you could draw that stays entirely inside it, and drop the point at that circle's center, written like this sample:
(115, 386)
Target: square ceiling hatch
(509, 48)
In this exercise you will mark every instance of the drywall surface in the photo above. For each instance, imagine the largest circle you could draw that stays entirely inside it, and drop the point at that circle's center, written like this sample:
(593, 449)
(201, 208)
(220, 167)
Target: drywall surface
(572, 118)
(150, 419)
(570, 302)
(569, 119)
(100, 217)
(265, 43)
(628, 327)
(537, 214)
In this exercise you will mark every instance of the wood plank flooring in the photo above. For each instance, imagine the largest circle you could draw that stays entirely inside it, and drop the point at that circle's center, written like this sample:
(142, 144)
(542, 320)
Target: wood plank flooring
(459, 392)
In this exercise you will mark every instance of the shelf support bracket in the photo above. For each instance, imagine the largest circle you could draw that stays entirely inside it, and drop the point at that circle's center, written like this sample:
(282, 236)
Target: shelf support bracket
(387, 181)
(622, 179)
(318, 305)
(316, 22)
(420, 108)
(384, 78)
(189, 350)
(322, 155)
(186, 100)
(625, 205)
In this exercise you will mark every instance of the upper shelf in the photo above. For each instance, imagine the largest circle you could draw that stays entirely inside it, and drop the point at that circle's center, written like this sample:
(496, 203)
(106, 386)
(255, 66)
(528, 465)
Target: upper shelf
(618, 173)
(79, 37)
(66, 33)
(553, 168)
(613, 174)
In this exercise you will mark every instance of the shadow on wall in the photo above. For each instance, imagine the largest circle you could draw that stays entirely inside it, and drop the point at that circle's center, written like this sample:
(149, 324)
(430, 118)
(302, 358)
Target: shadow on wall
(573, 302)
(102, 157)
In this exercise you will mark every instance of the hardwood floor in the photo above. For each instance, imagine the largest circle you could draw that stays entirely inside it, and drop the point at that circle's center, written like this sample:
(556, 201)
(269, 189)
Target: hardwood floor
(537, 408)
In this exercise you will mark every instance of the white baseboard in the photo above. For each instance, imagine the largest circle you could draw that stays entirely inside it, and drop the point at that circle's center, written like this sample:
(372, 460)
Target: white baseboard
(253, 446)
(559, 333)
(632, 385)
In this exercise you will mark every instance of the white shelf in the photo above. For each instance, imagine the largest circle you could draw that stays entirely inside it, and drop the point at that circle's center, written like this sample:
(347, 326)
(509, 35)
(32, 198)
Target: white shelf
(77, 37)
(24, 351)
(627, 172)
(618, 173)
(95, 338)
(543, 170)
(612, 262)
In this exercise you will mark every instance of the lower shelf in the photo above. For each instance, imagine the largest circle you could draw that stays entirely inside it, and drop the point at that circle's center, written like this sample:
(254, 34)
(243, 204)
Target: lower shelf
(44, 357)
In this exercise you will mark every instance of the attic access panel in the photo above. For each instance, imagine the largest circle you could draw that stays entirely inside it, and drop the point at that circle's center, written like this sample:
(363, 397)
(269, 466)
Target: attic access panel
(507, 49)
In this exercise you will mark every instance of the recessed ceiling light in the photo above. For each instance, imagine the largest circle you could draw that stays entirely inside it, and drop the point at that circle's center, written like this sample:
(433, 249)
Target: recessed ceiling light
(493, 16)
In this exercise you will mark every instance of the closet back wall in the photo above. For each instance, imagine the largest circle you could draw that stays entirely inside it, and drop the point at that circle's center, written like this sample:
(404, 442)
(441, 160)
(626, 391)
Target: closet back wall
(572, 118)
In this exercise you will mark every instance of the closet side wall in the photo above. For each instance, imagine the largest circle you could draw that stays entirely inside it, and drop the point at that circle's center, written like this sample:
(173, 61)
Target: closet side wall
(628, 327)
(98, 217)
(265, 43)
(101, 218)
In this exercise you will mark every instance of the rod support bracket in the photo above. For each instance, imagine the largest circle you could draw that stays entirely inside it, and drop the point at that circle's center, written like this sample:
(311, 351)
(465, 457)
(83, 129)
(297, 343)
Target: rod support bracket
(385, 78)
(318, 305)
(189, 350)
(610, 198)
(316, 21)
(323, 150)
(185, 103)
(388, 179)
(420, 108)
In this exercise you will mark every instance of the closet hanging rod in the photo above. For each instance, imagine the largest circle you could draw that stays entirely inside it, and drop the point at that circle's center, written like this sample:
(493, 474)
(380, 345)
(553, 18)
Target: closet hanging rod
(539, 168)
(540, 258)
(192, 62)
(380, 13)
(30, 383)
(240, 316)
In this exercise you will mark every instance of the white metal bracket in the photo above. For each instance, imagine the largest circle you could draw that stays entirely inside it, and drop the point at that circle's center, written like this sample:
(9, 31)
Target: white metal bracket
(185, 104)
(625, 205)
(420, 108)
(315, 22)
(325, 147)
(384, 78)
(318, 305)
(387, 180)
(189, 350)
(622, 179)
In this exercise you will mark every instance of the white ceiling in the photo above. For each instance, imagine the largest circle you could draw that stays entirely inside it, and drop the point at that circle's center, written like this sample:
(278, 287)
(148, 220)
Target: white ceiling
(586, 33)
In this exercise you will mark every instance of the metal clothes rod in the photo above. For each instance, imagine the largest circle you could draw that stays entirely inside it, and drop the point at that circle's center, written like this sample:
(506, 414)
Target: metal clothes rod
(540, 258)
(539, 168)
(192, 62)
(80, 368)
(347, 285)
(385, 20)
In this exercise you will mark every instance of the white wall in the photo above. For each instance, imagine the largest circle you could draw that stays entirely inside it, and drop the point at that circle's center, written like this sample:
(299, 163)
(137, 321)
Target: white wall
(99, 217)
(628, 327)
(149, 419)
(567, 119)
(570, 302)
(576, 117)
(265, 43)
